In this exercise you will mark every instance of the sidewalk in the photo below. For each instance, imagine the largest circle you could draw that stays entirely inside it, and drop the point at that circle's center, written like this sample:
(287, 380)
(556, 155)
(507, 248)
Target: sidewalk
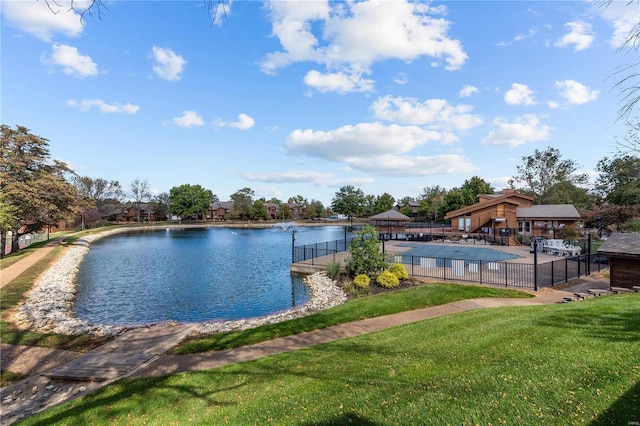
(12, 272)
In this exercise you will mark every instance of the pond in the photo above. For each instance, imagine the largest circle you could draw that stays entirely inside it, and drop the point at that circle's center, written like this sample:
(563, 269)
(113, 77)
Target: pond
(193, 274)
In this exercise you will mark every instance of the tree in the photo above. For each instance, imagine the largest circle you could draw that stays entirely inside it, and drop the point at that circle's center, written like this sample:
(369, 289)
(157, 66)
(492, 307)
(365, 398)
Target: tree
(285, 212)
(432, 201)
(383, 203)
(141, 191)
(310, 212)
(366, 257)
(188, 201)
(259, 210)
(473, 187)
(34, 191)
(349, 201)
(319, 208)
(96, 194)
(630, 145)
(298, 199)
(628, 77)
(242, 202)
(618, 181)
(160, 205)
(545, 170)
(453, 200)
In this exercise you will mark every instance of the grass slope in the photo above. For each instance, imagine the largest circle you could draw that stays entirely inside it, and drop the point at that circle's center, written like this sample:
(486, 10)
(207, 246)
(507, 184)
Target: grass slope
(556, 364)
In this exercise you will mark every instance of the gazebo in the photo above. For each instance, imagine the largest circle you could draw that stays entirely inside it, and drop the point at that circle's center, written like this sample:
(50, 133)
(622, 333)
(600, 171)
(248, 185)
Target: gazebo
(390, 222)
(624, 257)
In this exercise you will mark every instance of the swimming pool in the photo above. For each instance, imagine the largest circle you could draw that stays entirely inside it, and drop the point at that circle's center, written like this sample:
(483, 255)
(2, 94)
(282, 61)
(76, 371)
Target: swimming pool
(460, 252)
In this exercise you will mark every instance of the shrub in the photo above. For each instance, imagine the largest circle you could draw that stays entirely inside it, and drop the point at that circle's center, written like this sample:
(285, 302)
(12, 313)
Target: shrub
(399, 271)
(388, 279)
(366, 257)
(361, 281)
(333, 270)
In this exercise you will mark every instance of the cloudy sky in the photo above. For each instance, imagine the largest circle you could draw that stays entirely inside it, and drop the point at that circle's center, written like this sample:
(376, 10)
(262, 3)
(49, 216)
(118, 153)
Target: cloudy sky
(303, 97)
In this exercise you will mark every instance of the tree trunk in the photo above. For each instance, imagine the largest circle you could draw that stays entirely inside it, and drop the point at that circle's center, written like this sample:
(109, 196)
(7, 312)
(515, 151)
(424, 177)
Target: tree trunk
(3, 243)
(15, 241)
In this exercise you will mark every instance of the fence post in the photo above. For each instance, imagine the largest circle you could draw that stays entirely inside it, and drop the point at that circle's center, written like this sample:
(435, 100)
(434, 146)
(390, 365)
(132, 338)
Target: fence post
(506, 275)
(535, 268)
(480, 266)
(412, 261)
(566, 269)
(553, 280)
(589, 254)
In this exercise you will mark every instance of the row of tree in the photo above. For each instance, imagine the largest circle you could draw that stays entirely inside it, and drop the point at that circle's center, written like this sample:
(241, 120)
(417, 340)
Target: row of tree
(37, 192)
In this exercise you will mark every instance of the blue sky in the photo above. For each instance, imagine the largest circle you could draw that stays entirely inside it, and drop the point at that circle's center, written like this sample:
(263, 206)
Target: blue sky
(303, 97)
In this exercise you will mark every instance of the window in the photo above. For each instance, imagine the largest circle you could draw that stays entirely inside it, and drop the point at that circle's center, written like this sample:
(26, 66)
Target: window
(524, 227)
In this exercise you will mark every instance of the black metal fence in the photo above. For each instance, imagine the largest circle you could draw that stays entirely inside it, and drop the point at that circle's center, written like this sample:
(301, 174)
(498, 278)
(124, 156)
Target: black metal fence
(507, 274)
(314, 251)
(503, 273)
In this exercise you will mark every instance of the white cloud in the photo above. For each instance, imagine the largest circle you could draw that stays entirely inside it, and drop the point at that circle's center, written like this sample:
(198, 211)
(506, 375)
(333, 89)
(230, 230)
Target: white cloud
(364, 140)
(394, 165)
(401, 78)
(467, 90)
(376, 148)
(575, 93)
(350, 36)
(522, 130)
(105, 108)
(519, 94)
(580, 36)
(338, 82)
(72, 62)
(188, 119)
(168, 65)
(36, 18)
(623, 16)
(532, 32)
(434, 113)
(244, 122)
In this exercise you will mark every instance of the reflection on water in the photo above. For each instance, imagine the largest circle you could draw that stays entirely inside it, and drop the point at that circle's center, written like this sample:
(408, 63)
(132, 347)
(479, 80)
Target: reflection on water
(192, 275)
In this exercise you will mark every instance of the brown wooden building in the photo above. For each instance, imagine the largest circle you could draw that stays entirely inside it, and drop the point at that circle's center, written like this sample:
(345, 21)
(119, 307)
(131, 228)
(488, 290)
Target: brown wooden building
(511, 212)
(624, 259)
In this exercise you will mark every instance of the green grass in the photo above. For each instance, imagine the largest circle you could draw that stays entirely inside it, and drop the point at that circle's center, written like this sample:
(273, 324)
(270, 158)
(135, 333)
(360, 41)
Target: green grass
(422, 296)
(557, 364)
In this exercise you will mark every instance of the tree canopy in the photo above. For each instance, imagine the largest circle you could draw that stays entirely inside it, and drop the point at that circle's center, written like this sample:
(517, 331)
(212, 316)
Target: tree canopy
(34, 191)
(544, 172)
(188, 201)
(349, 200)
(618, 181)
(242, 202)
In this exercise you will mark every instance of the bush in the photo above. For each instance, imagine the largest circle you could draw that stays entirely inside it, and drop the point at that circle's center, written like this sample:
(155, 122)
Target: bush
(366, 256)
(388, 279)
(333, 270)
(361, 281)
(399, 271)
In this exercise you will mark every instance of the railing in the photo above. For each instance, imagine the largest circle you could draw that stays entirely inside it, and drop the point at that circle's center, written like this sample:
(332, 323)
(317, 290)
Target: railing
(507, 274)
(313, 251)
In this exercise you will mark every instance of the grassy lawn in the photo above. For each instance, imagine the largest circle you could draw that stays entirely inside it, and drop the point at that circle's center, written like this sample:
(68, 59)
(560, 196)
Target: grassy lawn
(422, 296)
(557, 364)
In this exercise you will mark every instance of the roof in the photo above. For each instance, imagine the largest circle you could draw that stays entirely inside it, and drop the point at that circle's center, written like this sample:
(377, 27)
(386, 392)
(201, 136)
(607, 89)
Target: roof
(624, 245)
(508, 197)
(548, 211)
(390, 214)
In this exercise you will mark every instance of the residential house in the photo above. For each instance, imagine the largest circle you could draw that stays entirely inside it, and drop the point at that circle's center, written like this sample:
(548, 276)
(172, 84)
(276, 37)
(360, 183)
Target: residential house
(412, 205)
(219, 210)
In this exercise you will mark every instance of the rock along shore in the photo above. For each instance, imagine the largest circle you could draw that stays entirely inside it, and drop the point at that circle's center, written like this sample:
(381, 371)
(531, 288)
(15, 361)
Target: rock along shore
(48, 307)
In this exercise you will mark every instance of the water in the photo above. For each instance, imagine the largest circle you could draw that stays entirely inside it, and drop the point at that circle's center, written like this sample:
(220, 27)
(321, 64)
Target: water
(193, 275)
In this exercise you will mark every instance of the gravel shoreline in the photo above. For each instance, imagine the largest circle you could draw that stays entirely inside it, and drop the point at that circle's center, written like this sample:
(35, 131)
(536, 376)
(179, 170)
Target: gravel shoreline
(48, 307)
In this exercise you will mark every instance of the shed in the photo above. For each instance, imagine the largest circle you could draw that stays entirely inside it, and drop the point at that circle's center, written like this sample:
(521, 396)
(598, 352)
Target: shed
(390, 222)
(624, 259)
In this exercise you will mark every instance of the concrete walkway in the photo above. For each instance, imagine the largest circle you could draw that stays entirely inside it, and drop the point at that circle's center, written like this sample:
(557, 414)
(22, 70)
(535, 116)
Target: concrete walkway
(10, 273)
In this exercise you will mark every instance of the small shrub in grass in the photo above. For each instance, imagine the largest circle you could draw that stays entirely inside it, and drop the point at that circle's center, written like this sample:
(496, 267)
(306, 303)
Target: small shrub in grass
(399, 271)
(333, 270)
(354, 291)
(388, 279)
(361, 281)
